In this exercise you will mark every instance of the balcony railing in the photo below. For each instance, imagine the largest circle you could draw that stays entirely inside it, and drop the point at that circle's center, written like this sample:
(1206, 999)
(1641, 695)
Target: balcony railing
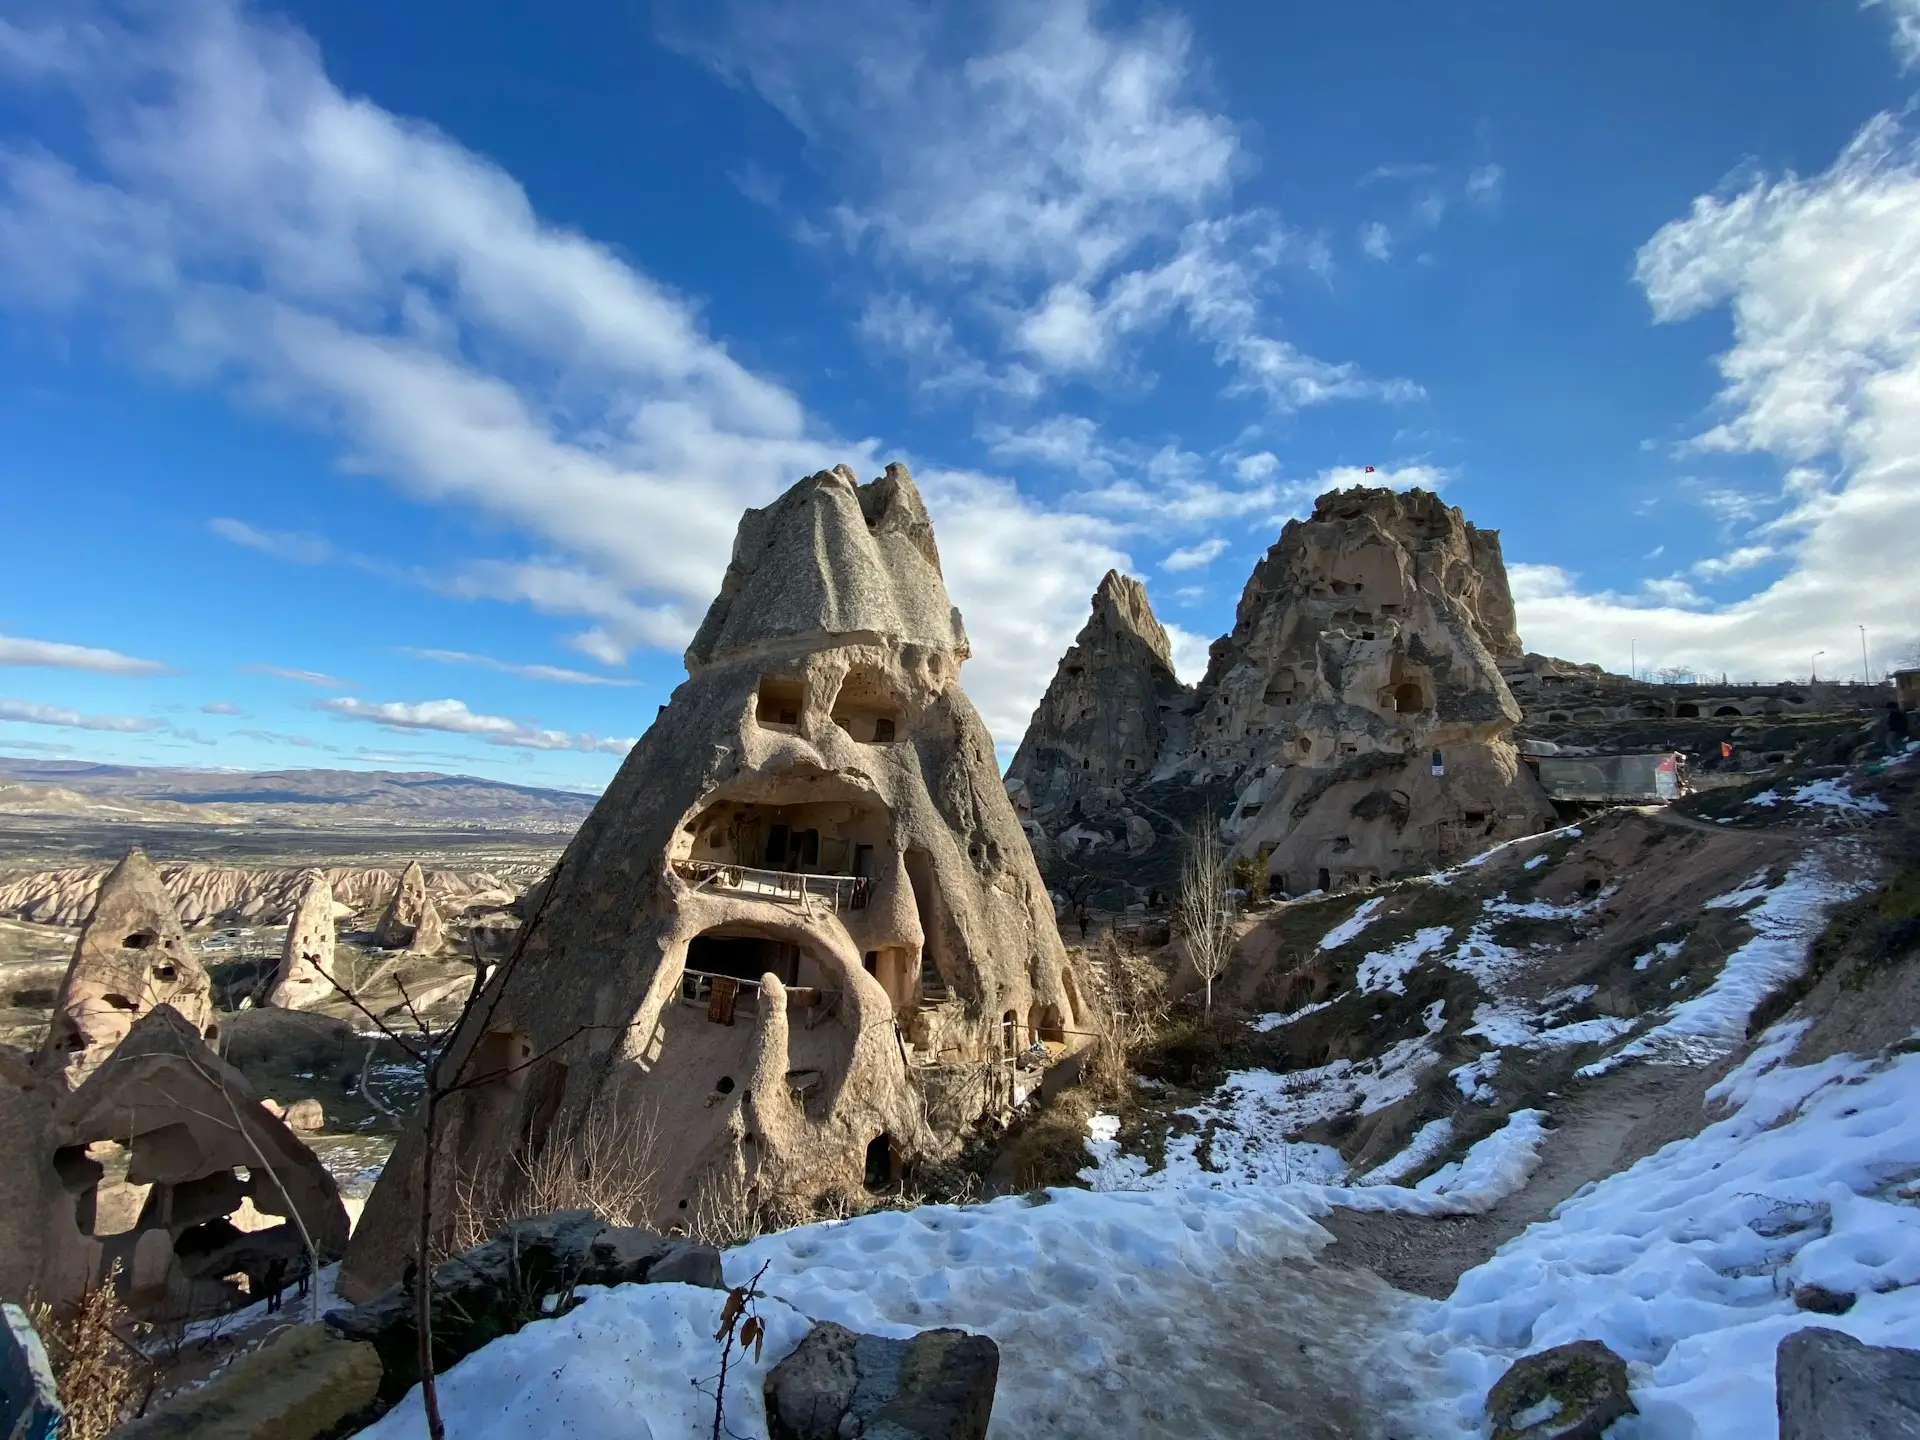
(785, 887)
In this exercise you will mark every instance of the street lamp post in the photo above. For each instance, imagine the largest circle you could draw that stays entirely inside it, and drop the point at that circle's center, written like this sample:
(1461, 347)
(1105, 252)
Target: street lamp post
(1813, 667)
(1866, 670)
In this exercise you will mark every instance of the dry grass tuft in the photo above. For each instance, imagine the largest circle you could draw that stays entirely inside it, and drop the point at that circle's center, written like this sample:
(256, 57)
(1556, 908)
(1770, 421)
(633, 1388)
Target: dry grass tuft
(104, 1379)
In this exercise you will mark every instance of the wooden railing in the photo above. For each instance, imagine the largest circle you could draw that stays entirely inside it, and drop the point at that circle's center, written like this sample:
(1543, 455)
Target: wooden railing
(785, 887)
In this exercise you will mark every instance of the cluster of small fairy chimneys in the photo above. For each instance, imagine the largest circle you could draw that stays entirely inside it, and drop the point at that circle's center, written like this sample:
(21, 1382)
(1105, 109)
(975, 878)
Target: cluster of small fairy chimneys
(216, 1183)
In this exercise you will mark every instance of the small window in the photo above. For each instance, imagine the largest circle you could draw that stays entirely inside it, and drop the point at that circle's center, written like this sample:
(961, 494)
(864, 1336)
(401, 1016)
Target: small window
(781, 702)
(882, 730)
(139, 940)
(1129, 764)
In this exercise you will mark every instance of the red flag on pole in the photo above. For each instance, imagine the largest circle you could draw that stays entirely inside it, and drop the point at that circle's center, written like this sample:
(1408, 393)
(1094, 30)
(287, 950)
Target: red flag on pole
(1369, 469)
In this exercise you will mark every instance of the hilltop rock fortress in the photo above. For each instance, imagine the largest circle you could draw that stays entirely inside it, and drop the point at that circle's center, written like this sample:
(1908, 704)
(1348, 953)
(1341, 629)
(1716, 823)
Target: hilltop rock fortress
(1104, 721)
(798, 922)
(132, 957)
(1354, 725)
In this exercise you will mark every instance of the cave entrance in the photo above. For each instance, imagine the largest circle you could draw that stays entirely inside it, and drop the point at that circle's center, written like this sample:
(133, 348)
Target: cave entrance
(880, 1163)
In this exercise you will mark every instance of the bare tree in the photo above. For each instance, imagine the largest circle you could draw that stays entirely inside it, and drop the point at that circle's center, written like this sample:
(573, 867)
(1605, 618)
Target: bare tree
(1201, 906)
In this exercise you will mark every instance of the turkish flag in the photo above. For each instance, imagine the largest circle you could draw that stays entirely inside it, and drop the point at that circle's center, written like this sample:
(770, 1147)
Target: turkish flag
(1369, 469)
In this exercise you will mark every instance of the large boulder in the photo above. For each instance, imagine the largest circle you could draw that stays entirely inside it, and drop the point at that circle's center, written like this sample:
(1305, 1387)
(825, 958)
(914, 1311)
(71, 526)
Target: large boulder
(300, 1385)
(495, 1288)
(1830, 1386)
(1571, 1392)
(839, 1385)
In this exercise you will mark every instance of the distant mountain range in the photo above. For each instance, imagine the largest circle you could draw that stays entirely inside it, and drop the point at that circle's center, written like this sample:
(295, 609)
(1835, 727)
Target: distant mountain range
(78, 790)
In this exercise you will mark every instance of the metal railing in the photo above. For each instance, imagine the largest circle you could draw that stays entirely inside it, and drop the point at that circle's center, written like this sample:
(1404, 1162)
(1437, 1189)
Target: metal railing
(785, 887)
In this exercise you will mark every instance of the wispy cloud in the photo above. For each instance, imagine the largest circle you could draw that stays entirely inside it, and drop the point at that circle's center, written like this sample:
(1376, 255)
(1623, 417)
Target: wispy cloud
(28, 712)
(1055, 177)
(282, 545)
(220, 707)
(1376, 241)
(316, 678)
(1905, 15)
(557, 674)
(1195, 557)
(452, 717)
(54, 655)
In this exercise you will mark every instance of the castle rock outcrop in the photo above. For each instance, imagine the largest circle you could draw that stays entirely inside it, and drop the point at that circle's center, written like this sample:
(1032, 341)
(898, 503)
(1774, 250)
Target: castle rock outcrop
(801, 908)
(1359, 697)
(132, 956)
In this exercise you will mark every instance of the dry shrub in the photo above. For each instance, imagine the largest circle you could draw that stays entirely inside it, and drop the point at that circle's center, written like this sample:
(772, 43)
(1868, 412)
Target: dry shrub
(603, 1164)
(726, 1211)
(1051, 1148)
(103, 1377)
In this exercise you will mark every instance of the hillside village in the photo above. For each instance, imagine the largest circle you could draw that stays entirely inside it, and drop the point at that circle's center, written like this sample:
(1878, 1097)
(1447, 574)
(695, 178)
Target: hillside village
(1530, 1092)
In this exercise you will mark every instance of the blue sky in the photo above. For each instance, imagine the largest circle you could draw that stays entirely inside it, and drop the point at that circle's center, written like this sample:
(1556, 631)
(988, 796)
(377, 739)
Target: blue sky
(381, 385)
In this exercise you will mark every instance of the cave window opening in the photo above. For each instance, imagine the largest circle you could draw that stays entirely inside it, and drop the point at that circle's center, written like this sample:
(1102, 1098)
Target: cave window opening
(139, 940)
(871, 962)
(1688, 711)
(744, 957)
(1326, 880)
(724, 1085)
(882, 730)
(1558, 717)
(780, 703)
(1407, 698)
(880, 1162)
(1727, 710)
(1010, 1031)
(1130, 764)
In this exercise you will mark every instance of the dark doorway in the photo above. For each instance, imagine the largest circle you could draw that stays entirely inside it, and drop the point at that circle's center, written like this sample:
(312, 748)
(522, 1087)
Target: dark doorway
(880, 1162)
(744, 957)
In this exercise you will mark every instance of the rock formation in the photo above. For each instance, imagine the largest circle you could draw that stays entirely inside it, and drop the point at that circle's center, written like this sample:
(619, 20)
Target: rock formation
(799, 914)
(1352, 726)
(205, 894)
(1360, 695)
(132, 956)
(411, 922)
(1104, 721)
(182, 1217)
(306, 958)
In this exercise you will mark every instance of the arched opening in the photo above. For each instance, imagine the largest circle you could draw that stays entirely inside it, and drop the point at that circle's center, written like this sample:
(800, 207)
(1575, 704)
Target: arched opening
(1558, 717)
(1686, 710)
(733, 845)
(1407, 698)
(880, 1162)
(1326, 879)
(139, 940)
(1725, 710)
(1048, 1025)
(1010, 1032)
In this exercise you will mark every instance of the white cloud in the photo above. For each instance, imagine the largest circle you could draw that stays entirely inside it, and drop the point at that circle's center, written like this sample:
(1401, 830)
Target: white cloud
(1822, 277)
(1392, 477)
(1376, 241)
(1067, 442)
(54, 655)
(1746, 557)
(248, 225)
(1023, 578)
(1485, 184)
(1189, 653)
(300, 677)
(1261, 465)
(454, 718)
(1195, 557)
(1905, 15)
(282, 545)
(220, 707)
(558, 674)
(27, 712)
(1059, 179)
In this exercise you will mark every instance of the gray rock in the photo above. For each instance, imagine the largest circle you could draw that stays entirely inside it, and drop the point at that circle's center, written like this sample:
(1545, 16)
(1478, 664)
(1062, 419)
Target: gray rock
(1571, 1392)
(1822, 1301)
(842, 1386)
(1830, 1386)
(29, 1399)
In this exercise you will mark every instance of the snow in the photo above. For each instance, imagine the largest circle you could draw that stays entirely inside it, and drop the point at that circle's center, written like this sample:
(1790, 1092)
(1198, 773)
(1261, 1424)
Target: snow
(1685, 1263)
(1536, 862)
(1428, 1141)
(1785, 922)
(627, 1364)
(1473, 1077)
(1350, 927)
(1833, 794)
(1503, 1024)
(1386, 970)
(1662, 952)
(1274, 1019)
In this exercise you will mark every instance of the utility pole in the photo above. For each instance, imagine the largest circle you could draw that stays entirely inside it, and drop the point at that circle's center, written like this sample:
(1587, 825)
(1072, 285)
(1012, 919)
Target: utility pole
(1813, 667)
(1866, 671)
(1633, 659)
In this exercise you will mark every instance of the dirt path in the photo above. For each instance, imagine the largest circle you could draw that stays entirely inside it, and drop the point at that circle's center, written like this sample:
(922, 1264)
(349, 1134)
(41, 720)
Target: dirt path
(1608, 1125)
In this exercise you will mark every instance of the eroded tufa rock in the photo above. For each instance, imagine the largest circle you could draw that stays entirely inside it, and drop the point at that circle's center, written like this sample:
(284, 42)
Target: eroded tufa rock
(306, 959)
(804, 889)
(132, 956)
(411, 921)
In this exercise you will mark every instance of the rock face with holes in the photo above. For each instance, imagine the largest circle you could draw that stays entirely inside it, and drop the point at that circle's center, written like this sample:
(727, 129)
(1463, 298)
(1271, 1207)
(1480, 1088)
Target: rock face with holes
(1104, 722)
(132, 956)
(1358, 701)
(306, 959)
(213, 1185)
(804, 898)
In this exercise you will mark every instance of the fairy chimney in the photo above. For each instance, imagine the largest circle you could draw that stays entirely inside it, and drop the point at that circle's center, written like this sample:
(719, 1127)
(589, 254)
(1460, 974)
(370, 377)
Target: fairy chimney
(1104, 719)
(803, 892)
(132, 955)
(306, 958)
(410, 921)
